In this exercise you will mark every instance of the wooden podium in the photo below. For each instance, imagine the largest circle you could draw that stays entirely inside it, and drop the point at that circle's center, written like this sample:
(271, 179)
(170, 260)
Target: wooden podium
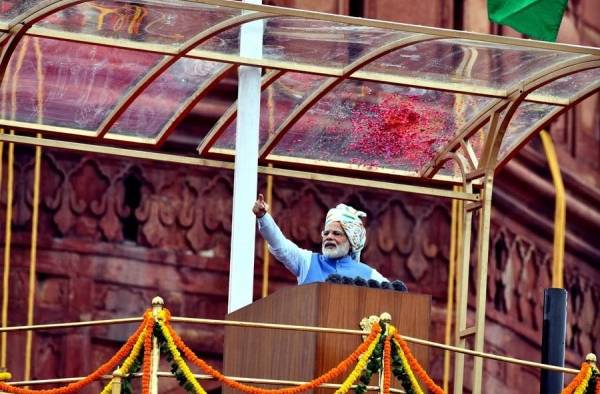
(303, 355)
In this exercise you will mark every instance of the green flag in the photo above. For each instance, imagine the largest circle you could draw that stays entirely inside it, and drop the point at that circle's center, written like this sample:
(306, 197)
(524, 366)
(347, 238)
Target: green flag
(539, 19)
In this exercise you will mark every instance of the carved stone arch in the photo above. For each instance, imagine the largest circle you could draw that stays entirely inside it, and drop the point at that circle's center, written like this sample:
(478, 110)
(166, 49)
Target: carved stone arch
(304, 217)
(393, 238)
(217, 205)
(437, 233)
(499, 284)
(52, 180)
(89, 182)
(204, 214)
(118, 220)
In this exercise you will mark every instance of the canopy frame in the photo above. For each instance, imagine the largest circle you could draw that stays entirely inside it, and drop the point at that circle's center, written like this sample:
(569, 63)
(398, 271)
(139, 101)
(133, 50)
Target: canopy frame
(475, 173)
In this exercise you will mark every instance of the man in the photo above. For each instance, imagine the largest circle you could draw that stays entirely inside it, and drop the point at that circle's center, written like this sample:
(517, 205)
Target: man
(343, 238)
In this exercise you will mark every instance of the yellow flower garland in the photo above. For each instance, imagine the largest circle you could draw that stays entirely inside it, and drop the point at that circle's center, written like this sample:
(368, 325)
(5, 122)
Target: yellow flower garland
(584, 383)
(5, 376)
(408, 370)
(124, 369)
(360, 365)
(179, 360)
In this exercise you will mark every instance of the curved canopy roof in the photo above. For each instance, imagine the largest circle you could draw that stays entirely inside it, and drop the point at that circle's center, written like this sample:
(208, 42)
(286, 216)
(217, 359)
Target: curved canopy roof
(339, 93)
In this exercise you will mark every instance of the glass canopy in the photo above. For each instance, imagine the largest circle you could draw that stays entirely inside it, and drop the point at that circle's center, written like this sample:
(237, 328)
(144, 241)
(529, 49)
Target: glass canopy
(338, 93)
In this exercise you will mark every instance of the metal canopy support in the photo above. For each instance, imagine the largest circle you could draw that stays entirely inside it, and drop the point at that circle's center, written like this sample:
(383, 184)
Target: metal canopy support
(189, 104)
(498, 113)
(331, 83)
(483, 245)
(167, 62)
(21, 26)
(281, 172)
(229, 115)
(243, 223)
(462, 292)
(487, 165)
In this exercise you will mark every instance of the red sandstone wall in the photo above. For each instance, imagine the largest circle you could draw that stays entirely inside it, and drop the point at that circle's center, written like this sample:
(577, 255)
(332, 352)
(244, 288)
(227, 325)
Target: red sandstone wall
(92, 265)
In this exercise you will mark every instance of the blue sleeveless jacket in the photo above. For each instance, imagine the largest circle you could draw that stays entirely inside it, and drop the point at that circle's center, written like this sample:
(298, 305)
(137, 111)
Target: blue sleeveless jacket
(321, 267)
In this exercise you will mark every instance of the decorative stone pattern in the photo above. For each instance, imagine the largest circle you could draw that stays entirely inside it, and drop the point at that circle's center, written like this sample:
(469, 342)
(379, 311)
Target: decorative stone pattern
(114, 233)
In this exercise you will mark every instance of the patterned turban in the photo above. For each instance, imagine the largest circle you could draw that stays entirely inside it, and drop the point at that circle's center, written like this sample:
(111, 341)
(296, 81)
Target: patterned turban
(351, 222)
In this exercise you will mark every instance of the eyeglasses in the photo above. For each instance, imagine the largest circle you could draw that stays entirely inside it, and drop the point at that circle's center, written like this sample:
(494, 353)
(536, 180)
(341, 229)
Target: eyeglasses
(335, 233)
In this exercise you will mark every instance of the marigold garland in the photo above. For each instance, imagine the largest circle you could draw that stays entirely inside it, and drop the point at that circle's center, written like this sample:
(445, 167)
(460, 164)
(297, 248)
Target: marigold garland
(328, 376)
(407, 369)
(5, 376)
(364, 355)
(74, 387)
(577, 380)
(147, 354)
(416, 367)
(360, 366)
(179, 360)
(580, 382)
(387, 360)
(584, 384)
(124, 369)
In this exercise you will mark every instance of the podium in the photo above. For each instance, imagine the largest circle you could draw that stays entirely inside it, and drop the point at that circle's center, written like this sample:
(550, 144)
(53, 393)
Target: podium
(303, 355)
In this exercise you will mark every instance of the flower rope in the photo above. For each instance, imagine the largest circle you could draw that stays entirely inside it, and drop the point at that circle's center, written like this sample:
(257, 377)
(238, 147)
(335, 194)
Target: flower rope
(415, 366)
(328, 376)
(586, 381)
(387, 359)
(147, 353)
(382, 351)
(124, 369)
(179, 361)
(360, 366)
(409, 381)
(105, 369)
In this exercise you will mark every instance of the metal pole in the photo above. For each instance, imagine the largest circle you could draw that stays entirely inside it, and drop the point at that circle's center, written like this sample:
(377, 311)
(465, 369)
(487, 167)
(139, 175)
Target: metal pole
(243, 226)
(483, 240)
(462, 293)
(554, 329)
(157, 306)
(560, 211)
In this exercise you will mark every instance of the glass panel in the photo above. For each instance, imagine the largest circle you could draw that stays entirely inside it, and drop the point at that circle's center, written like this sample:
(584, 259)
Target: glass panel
(522, 124)
(309, 41)
(145, 20)
(154, 107)
(78, 84)
(276, 103)
(494, 66)
(378, 125)
(10, 9)
(569, 86)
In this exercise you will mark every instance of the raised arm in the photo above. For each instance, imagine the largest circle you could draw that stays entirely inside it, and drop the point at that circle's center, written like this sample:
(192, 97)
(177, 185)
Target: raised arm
(294, 258)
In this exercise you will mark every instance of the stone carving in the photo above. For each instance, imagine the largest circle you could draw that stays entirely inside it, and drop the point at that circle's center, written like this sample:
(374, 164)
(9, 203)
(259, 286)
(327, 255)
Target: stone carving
(519, 271)
(181, 218)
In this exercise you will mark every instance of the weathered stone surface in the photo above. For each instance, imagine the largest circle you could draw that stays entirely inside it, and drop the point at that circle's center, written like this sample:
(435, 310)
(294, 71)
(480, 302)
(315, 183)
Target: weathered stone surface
(114, 233)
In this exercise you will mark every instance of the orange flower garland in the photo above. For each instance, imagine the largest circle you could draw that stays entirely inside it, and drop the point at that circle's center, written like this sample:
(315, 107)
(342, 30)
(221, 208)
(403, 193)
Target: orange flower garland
(328, 376)
(74, 387)
(416, 367)
(147, 353)
(387, 364)
(363, 353)
(578, 379)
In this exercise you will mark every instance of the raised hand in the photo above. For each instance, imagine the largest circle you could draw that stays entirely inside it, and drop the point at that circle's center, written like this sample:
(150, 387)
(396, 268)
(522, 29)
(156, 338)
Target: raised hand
(260, 206)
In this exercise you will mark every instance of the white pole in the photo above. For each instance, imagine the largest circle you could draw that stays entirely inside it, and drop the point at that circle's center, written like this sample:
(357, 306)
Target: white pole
(243, 230)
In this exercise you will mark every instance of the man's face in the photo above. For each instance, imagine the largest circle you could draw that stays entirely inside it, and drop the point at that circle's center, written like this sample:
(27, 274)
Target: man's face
(334, 243)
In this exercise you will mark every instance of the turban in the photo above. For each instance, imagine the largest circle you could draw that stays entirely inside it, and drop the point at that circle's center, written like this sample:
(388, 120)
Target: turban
(351, 222)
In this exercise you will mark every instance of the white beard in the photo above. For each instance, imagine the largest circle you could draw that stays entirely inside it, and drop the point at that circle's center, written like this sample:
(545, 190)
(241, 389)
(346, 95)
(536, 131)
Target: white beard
(339, 251)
